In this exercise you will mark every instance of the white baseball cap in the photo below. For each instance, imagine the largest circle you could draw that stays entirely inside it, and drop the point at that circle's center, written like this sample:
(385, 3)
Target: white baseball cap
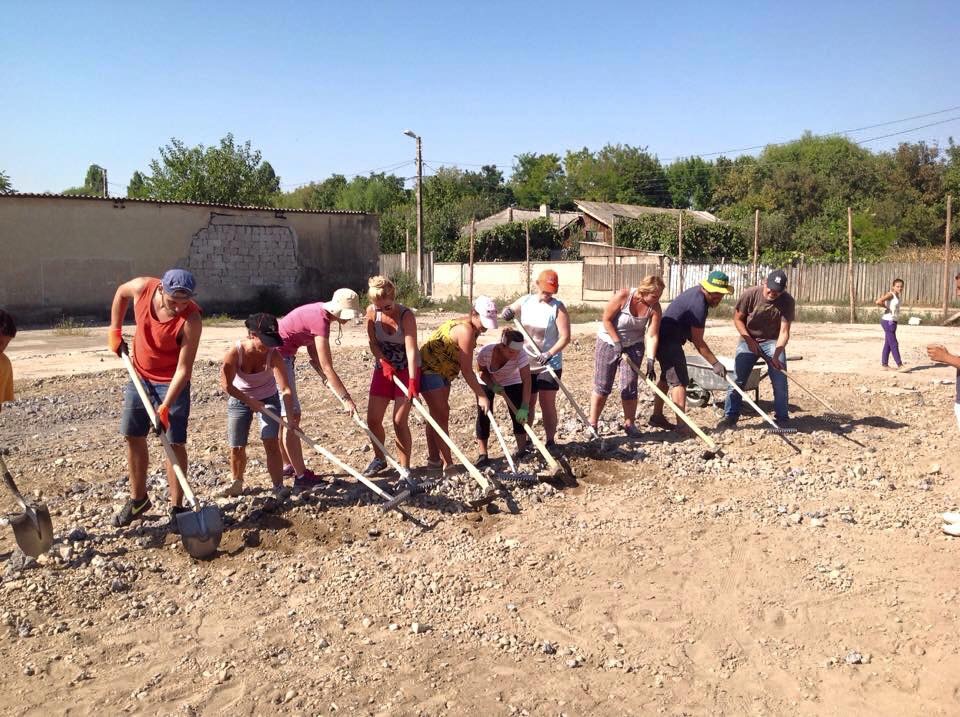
(488, 311)
(345, 304)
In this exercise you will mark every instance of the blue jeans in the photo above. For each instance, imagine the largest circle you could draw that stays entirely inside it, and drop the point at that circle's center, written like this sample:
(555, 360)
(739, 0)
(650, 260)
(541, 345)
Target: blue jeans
(239, 418)
(743, 365)
(135, 422)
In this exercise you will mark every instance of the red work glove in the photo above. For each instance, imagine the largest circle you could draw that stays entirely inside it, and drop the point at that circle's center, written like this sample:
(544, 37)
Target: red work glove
(163, 416)
(413, 386)
(116, 343)
(387, 368)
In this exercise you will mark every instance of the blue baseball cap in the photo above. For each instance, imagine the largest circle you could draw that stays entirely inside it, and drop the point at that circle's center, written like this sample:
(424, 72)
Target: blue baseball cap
(179, 281)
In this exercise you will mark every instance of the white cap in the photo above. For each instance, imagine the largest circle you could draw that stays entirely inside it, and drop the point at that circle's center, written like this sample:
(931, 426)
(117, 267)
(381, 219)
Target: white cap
(345, 304)
(488, 311)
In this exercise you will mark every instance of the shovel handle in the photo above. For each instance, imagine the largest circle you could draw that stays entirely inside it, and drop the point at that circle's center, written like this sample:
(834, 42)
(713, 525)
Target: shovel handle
(673, 407)
(395, 464)
(553, 374)
(11, 486)
(152, 414)
(538, 444)
(422, 410)
(763, 414)
(500, 439)
(328, 455)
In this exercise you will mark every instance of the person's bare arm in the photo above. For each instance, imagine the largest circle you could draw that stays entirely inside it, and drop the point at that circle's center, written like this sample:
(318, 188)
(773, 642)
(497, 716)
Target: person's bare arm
(228, 371)
(372, 336)
(409, 324)
(652, 337)
(189, 343)
(696, 337)
(780, 351)
(563, 332)
(283, 383)
(883, 299)
(325, 361)
(610, 312)
(125, 293)
(527, 384)
(939, 353)
(466, 343)
(740, 324)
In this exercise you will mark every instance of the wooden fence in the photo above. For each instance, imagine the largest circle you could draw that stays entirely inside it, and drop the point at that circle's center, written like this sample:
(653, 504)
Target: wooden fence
(829, 283)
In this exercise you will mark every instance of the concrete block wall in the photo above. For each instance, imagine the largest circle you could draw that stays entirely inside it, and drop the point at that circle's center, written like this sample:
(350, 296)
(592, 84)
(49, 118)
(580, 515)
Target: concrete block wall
(505, 279)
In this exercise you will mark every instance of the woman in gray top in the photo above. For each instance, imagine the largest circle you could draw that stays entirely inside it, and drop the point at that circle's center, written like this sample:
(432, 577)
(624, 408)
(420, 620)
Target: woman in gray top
(631, 326)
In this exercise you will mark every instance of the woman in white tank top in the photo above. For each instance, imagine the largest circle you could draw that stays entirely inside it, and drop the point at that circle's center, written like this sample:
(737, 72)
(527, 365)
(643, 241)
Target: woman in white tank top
(891, 303)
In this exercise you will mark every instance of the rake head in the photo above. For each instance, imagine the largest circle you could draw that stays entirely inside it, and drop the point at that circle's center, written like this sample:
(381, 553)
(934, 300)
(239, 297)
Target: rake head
(521, 478)
(396, 501)
(781, 431)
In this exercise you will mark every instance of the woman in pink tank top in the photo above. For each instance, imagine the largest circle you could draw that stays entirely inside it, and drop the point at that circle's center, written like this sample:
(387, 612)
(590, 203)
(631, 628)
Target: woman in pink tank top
(250, 374)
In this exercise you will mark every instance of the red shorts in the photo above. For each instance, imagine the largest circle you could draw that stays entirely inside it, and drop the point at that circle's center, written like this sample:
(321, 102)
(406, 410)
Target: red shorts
(380, 386)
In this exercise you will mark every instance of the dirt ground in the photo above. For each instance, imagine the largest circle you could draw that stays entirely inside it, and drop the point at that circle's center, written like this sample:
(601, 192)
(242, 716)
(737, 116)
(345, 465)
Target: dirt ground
(809, 578)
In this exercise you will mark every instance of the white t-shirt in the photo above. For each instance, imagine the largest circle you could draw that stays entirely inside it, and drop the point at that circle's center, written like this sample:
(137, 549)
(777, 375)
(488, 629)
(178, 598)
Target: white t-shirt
(893, 309)
(509, 373)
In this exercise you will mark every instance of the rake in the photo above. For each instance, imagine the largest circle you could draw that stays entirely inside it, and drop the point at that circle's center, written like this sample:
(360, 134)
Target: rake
(774, 428)
(832, 415)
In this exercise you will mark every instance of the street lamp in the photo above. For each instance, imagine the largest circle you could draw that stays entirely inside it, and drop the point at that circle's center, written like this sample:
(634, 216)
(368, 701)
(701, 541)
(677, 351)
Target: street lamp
(413, 135)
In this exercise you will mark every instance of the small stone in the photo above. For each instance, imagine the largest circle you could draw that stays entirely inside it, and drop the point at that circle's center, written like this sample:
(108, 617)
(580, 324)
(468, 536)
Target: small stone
(373, 533)
(290, 695)
(933, 469)
(548, 648)
(854, 658)
(29, 671)
(572, 663)
(65, 552)
(117, 585)
(322, 643)
(393, 627)
(418, 628)
(817, 522)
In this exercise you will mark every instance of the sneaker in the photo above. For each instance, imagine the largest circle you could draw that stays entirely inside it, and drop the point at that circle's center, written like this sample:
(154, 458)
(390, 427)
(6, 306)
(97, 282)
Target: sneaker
(233, 490)
(308, 480)
(632, 431)
(522, 453)
(376, 465)
(660, 421)
(551, 446)
(727, 423)
(132, 511)
(952, 529)
(454, 469)
(433, 466)
(951, 517)
(482, 461)
(281, 492)
(289, 471)
(902, 367)
(174, 512)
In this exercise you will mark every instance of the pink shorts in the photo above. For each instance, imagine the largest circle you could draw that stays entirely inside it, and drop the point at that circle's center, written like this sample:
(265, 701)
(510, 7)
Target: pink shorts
(380, 386)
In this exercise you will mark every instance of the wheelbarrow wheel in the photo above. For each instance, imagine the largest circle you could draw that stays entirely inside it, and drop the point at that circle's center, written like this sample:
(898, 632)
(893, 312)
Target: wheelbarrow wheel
(697, 396)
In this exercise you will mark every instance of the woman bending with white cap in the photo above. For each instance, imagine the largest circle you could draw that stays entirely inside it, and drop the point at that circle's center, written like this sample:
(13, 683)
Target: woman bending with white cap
(445, 355)
(309, 326)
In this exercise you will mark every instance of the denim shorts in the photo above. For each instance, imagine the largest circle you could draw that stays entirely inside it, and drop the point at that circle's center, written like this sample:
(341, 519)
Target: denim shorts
(134, 421)
(239, 418)
(289, 363)
(432, 382)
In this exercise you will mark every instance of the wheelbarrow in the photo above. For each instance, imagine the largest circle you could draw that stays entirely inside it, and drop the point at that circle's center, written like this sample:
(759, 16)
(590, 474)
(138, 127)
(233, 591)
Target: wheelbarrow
(703, 380)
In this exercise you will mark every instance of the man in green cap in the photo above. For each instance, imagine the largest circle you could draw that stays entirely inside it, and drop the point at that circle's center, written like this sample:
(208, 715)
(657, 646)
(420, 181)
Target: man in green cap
(684, 320)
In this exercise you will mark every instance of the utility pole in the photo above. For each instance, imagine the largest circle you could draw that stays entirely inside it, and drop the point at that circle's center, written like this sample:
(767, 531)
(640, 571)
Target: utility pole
(754, 279)
(414, 135)
(853, 309)
(680, 248)
(106, 190)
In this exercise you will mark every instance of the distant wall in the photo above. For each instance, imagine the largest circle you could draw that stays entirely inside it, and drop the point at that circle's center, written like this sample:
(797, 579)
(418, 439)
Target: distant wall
(505, 279)
(68, 255)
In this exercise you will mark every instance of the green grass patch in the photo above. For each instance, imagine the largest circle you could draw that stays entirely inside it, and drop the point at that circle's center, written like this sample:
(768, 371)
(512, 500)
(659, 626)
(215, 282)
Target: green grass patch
(218, 319)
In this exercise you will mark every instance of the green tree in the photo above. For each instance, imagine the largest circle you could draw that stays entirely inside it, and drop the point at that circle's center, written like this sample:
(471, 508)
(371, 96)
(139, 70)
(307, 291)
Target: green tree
(539, 179)
(137, 188)
(617, 173)
(228, 173)
(92, 184)
(691, 183)
(374, 193)
(5, 186)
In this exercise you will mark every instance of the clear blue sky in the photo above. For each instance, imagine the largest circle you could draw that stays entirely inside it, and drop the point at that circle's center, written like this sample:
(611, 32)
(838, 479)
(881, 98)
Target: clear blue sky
(322, 88)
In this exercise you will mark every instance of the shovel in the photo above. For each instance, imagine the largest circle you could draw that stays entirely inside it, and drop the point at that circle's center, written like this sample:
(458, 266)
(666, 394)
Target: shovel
(713, 450)
(774, 428)
(404, 473)
(391, 502)
(832, 415)
(201, 527)
(32, 528)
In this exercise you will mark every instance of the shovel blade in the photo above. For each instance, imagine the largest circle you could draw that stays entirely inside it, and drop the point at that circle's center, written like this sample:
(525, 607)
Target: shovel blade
(33, 530)
(201, 530)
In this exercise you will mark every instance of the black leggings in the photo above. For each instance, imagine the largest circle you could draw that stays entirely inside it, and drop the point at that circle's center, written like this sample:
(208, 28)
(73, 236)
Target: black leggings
(515, 393)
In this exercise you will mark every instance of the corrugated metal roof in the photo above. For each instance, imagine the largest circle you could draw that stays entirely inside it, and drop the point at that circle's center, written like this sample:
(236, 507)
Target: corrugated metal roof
(560, 219)
(47, 195)
(608, 212)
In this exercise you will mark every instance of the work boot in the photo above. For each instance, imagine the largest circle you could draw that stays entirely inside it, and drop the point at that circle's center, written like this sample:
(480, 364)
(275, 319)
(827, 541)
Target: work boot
(132, 510)
(308, 481)
(483, 460)
(658, 420)
(727, 423)
(234, 490)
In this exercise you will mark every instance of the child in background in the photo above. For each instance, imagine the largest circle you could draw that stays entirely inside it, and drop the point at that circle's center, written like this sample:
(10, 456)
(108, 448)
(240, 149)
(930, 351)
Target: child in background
(8, 329)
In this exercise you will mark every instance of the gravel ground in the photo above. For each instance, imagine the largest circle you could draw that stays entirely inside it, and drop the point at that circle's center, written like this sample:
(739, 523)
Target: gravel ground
(806, 576)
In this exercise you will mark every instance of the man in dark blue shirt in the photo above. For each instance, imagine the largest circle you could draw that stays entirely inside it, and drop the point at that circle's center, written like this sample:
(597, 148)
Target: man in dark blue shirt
(684, 320)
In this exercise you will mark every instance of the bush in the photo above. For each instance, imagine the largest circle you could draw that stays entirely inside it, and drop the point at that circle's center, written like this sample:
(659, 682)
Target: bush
(701, 242)
(508, 242)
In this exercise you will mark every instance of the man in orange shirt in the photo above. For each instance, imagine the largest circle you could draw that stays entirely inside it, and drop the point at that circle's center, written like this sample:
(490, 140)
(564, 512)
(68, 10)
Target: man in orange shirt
(164, 348)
